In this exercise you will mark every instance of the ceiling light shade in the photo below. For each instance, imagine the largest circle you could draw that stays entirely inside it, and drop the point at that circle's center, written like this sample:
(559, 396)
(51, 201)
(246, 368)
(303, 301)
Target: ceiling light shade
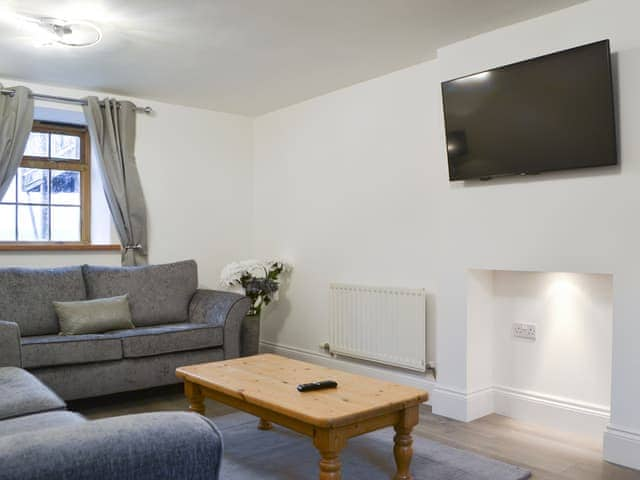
(72, 33)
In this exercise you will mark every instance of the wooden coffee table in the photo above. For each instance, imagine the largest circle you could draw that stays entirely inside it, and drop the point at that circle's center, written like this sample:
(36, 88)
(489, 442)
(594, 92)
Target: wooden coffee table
(265, 386)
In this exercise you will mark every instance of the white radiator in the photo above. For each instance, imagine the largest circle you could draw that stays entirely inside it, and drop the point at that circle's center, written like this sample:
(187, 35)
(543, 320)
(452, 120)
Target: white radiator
(384, 325)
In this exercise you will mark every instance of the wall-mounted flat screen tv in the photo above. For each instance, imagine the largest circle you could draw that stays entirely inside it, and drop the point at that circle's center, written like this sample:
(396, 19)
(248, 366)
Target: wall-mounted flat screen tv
(553, 112)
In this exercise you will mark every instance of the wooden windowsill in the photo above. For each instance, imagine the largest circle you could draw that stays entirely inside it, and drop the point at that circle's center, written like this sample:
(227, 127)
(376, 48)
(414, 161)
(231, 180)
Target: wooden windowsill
(55, 247)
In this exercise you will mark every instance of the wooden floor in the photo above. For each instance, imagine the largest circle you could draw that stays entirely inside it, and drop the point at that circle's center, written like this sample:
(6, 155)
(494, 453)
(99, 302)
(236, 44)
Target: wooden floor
(548, 454)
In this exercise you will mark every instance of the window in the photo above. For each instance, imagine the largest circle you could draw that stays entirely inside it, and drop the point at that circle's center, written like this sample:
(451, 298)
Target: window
(49, 201)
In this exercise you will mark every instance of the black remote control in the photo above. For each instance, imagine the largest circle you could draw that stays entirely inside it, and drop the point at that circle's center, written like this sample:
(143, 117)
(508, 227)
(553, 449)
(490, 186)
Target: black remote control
(309, 387)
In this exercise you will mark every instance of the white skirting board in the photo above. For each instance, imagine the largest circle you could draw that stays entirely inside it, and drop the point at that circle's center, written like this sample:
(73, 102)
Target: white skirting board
(454, 403)
(422, 381)
(554, 412)
(622, 446)
(451, 402)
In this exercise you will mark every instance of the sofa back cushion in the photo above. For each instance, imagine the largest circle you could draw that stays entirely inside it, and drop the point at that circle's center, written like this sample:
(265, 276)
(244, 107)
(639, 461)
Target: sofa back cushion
(157, 294)
(27, 296)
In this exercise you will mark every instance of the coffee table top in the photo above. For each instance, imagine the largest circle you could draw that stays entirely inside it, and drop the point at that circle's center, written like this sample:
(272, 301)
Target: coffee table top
(270, 381)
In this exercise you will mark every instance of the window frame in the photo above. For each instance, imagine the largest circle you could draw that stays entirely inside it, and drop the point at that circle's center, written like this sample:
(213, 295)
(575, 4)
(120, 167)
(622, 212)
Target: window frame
(83, 165)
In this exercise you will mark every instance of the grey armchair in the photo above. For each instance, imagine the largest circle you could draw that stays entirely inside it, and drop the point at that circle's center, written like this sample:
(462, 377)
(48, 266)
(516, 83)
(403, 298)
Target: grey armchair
(148, 446)
(41, 440)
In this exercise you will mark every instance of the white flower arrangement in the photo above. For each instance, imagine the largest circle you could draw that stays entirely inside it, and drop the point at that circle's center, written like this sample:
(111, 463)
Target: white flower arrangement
(259, 279)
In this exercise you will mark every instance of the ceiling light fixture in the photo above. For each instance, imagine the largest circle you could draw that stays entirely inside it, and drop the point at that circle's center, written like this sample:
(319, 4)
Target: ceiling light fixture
(69, 33)
(47, 31)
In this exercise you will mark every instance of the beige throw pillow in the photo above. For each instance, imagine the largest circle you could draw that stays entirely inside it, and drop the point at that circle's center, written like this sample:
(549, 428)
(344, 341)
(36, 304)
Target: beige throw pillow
(93, 316)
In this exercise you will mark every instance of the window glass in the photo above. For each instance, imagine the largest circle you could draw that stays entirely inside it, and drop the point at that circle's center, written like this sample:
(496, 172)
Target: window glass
(33, 223)
(7, 223)
(33, 185)
(10, 196)
(65, 146)
(37, 145)
(65, 187)
(65, 224)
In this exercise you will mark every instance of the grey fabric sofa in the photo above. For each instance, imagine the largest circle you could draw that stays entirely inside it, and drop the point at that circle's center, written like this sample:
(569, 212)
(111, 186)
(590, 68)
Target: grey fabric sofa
(176, 324)
(40, 440)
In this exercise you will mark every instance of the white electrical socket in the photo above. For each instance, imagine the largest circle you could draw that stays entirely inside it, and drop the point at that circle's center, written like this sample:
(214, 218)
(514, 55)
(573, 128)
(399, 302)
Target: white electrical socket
(524, 330)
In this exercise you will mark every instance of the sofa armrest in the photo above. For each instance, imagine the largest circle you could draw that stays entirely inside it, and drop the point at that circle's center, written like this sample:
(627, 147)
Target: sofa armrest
(149, 446)
(224, 309)
(10, 350)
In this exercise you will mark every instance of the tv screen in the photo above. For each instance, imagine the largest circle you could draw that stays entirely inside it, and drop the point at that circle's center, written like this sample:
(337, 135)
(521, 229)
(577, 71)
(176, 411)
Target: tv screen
(549, 113)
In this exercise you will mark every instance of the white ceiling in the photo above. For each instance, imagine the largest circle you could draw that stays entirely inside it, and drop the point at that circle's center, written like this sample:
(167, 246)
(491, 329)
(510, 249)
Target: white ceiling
(247, 56)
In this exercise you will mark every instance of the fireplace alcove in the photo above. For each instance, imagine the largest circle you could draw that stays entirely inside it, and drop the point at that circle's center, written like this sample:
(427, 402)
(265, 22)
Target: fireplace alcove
(562, 378)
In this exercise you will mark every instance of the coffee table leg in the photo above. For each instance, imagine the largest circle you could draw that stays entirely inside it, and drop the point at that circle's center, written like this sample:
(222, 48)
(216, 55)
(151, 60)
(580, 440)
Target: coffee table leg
(196, 399)
(402, 448)
(264, 424)
(329, 443)
(330, 466)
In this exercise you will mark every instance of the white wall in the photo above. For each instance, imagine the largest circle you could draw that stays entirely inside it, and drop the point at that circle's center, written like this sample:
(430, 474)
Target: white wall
(344, 188)
(195, 167)
(353, 186)
(480, 342)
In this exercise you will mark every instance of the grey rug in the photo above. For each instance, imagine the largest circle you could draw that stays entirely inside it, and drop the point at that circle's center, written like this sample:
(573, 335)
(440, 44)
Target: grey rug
(284, 455)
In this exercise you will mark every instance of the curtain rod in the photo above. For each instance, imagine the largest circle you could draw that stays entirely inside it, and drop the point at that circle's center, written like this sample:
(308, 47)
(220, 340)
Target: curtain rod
(75, 101)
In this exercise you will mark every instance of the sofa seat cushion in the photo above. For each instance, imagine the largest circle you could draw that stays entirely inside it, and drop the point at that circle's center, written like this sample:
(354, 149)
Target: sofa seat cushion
(179, 337)
(39, 421)
(51, 350)
(22, 394)
(27, 296)
(157, 294)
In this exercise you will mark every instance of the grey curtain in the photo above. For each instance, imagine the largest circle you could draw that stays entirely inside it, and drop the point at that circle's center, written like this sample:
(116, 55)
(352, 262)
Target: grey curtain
(16, 121)
(112, 127)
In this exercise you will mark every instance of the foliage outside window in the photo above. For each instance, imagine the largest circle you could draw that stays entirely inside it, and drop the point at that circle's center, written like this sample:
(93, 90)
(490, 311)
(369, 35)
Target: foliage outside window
(49, 199)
